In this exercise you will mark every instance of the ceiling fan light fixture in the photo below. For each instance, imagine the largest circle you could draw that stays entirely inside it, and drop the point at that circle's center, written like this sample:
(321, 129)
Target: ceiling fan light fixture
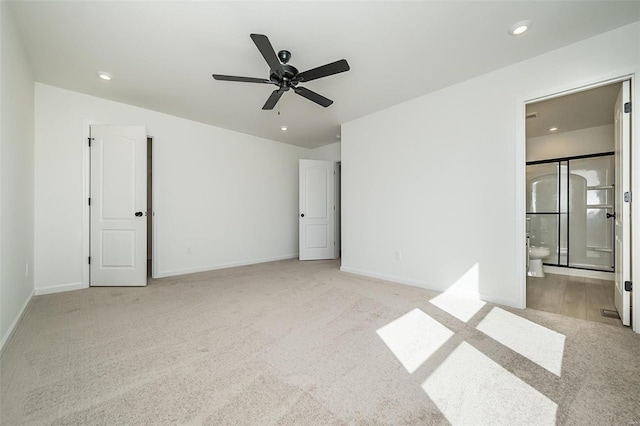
(520, 27)
(105, 75)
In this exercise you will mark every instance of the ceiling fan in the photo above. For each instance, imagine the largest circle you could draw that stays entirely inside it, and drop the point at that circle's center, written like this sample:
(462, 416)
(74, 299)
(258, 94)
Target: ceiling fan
(286, 76)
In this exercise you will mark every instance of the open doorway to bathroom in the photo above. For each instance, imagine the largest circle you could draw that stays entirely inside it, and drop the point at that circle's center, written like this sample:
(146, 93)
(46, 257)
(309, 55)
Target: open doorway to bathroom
(573, 163)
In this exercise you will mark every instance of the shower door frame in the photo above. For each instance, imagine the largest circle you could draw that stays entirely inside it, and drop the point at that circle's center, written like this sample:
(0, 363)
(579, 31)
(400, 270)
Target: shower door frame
(559, 213)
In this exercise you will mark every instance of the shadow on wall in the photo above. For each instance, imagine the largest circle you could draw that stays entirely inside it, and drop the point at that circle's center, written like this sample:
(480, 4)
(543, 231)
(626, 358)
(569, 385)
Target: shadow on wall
(466, 385)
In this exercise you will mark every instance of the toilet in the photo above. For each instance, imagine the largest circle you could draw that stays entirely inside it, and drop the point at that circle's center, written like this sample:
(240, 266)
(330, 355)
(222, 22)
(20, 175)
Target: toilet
(536, 256)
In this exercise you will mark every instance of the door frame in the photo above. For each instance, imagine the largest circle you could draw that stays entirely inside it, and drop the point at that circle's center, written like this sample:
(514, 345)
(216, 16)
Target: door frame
(86, 211)
(520, 281)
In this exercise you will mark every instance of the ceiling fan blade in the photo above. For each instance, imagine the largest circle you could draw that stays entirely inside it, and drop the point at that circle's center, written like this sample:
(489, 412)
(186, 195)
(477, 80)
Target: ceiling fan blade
(324, 71)
(274, 98)
(241, 79)
(313, 96)
(264, 46)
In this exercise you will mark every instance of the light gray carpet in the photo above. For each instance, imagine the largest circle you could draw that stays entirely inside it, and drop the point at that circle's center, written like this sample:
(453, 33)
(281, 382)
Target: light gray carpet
(298, 343)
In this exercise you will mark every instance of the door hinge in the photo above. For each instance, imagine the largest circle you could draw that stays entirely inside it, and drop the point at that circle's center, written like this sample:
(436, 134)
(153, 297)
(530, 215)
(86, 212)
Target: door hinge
(89, 200)
(628, 286)
(89, 260)
(90, 139)
(627, 107)
(627, 197)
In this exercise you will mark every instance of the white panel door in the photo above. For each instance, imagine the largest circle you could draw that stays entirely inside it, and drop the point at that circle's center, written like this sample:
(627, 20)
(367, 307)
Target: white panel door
(118, 206)
(622, 207)
(317, 210)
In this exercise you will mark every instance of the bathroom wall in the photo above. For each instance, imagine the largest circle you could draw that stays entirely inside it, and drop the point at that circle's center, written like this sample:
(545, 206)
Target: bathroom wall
(592, 140)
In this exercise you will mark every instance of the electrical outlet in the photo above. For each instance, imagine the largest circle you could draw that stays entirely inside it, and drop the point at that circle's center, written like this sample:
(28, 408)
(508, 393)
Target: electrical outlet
(188, 250)
(398, 256)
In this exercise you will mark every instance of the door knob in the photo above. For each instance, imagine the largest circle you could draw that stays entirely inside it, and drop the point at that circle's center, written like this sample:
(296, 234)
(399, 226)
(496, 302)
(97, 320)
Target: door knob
(138, 214)
(609, 215)
(302, 215)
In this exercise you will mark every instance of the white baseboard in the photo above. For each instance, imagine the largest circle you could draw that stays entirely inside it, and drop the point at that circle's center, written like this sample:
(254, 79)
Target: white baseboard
(512, 303)
(414, 283)
(392, 278)
(14, 324)
(585, 273)
(174, 272)
(59, 288)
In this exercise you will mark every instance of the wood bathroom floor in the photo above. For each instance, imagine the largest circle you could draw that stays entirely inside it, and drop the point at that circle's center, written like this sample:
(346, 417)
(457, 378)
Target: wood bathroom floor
(572, 296)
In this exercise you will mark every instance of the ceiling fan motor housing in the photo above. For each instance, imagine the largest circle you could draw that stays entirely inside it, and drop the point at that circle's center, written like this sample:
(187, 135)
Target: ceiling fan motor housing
(289, 73)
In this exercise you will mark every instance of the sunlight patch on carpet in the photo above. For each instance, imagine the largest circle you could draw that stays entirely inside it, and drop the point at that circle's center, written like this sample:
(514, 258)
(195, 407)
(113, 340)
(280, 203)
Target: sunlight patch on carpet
(539, 344)
(414, 337)
(470, 389)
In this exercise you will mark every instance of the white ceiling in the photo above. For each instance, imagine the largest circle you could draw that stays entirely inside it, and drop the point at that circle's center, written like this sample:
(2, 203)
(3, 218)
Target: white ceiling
(162, 53)
(581, 110)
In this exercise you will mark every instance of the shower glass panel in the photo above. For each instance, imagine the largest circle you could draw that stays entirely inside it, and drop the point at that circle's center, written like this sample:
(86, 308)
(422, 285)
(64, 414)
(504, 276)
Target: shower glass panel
(542, 182)
(591, 231)
(570, 207)
(543, 207)
(563, 258)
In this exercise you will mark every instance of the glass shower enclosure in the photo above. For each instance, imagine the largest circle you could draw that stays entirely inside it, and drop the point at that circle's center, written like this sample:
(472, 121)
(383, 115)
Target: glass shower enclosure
(570, 210)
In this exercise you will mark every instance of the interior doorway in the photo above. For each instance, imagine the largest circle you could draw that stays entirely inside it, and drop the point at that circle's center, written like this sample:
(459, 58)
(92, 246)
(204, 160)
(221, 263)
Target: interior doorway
(575, 183)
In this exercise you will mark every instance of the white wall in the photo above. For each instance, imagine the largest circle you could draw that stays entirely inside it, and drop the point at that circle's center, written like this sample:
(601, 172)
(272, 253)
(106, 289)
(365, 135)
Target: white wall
(329, 152)
(230, 197)
(593, 140)
(435, 178)
(16, 176)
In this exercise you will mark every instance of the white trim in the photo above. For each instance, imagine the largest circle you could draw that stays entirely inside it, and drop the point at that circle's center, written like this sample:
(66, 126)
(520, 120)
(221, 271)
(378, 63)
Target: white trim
(520, 179)
(635, 212)
(338, 209)
(419, 284)
(385, 277)
(86, 193)
(175, 272)
(154, 203)
(585, 273)
(512, 303)
(14, 324)
(520, 176)
(60, 288)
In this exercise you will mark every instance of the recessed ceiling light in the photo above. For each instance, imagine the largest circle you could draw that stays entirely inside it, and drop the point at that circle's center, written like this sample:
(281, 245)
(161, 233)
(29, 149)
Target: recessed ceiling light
(553, 129)
(284, 128)
(104, 75)
(520, 27)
